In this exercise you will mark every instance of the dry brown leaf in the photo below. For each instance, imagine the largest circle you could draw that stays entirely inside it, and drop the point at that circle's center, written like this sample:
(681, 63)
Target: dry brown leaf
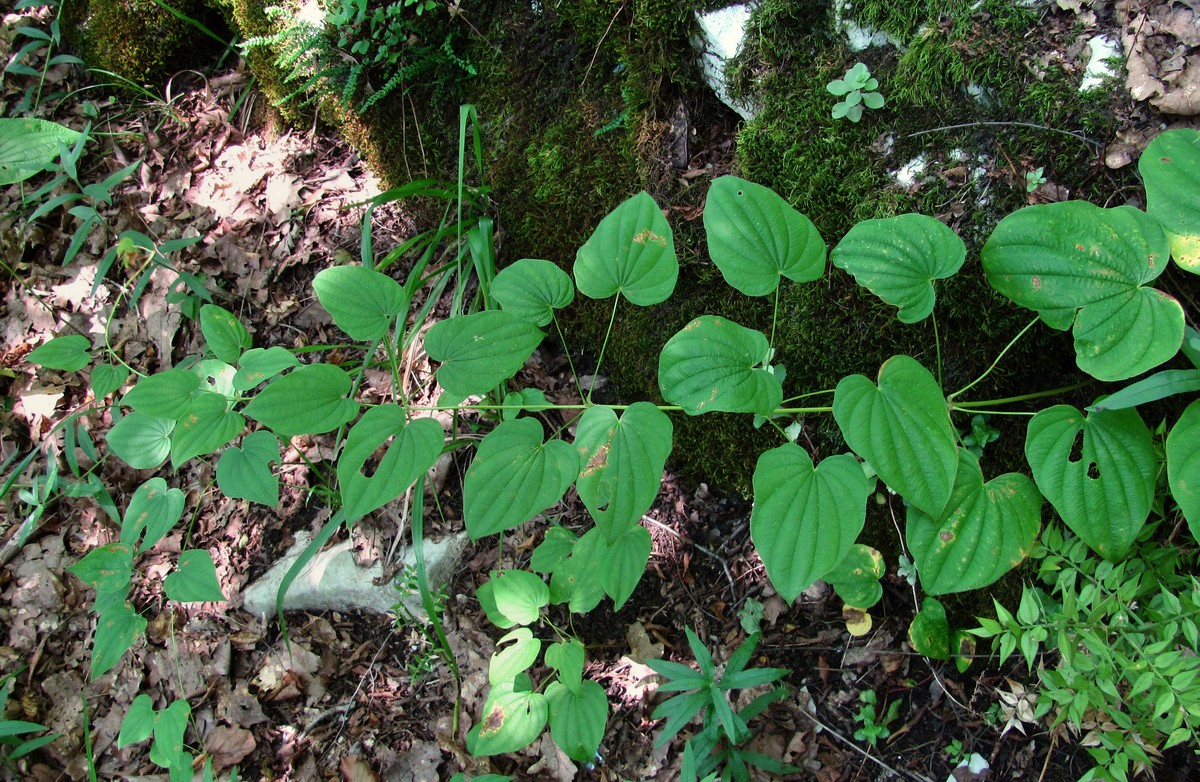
(229, 746)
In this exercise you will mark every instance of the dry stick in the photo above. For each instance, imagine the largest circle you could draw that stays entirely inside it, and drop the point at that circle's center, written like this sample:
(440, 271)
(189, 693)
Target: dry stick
(861, 751)
(994, 123)
(710, 552)
(600, 43)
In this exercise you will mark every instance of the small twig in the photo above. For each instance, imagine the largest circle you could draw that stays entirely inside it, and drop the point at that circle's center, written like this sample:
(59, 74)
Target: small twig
(326, 715)
(600, 43)
(994, 123)
(698, 547)
(861, 751)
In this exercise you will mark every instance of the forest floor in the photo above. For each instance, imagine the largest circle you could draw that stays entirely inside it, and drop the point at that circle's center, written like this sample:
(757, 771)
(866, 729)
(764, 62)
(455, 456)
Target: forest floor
(364, 697)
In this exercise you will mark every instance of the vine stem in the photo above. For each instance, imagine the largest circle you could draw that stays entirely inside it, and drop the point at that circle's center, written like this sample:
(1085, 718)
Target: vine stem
(774, 317)
(612, 318)
(937, 347)
(988, 371)
(570, 362)
(1019, 398)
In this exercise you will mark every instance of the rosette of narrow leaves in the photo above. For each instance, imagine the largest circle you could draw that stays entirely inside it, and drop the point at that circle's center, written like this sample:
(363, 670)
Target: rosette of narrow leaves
(1088, 269)
(1170, 167)
(756, 238)
(898, 258)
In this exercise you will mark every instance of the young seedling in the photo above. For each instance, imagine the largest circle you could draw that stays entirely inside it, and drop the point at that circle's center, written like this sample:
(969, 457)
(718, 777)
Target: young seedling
(1034, 178)
(859, 89)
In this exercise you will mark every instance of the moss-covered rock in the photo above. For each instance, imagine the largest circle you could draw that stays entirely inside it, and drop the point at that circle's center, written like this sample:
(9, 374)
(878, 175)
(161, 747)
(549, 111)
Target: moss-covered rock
(139, 40)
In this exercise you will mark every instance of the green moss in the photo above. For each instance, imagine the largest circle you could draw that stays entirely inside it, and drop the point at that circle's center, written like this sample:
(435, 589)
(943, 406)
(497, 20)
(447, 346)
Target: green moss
(137, 40)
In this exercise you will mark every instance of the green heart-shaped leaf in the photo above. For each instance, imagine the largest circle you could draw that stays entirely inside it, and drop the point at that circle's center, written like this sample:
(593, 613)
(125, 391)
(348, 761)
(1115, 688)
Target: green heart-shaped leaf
(206, 426)
(167, 394)
(1075, 262)
(194, 579)
(755, 237)
(138, 722)
(69, 353)
(1097, 471)
(515, 652)
(902, 427)
(567, 658)
(511, 721)
(362, 302)
(257, 365)
(515, 476)
(898, 258)
(224, 334)
(622, 563)
(805, 519)
(929, 633)
(153, 510)
(579, 581)
(631, 252)
(106, 568)
(309, 400)
(553, 550)
(118, 627)
(1183, 465)
(1170, 167)
(856, 577)
(623, 461)
(577, 718)
(413, 449)
(479, 351)
(985, 530)
(245, 473)
(516, 596)
(533, 289)
(141, 441)
(107, 378)
(714, 364)
(169, 727)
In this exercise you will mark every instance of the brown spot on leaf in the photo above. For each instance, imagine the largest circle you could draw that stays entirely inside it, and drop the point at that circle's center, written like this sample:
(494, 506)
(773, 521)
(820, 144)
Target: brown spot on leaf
(649, 236)
(492, 722)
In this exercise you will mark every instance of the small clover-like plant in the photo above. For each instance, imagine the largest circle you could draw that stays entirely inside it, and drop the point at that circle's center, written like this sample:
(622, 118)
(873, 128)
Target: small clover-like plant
(1033, 179)
(874, 725)
(857, 90)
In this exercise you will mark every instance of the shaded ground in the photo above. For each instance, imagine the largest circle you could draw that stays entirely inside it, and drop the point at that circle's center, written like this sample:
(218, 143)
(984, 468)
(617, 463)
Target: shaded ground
(360, 697)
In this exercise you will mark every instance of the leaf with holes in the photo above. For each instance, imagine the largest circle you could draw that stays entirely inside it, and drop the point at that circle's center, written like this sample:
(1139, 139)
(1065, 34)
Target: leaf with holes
(117, 629)
(194, 579)
(141, 441)
(245, 473)
(413, 448)
(512, 719)
(623, 562)
(1170, 167)
(898, 258)
(631, 252)
(515, 476)
(153, 510)
(515, 652)
(1183, 465)
(69, 354)
(623, 462)
(309, 400)
(902, 427)
(755, 237)
(362, 302)
(577, 718)
(1097, 471)
(805, 519)
(1074, 262)
(856, 577)
(985, 530)
(479, 351)
(714, 364)
(224, 334)
(533, 289)
(206, 426)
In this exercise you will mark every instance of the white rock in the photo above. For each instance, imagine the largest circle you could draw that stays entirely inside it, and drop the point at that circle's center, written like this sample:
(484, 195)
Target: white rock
(910, 171)
(1098, 67)
(723, 32)
(859, 38)
(333, 582)
(976, 764)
